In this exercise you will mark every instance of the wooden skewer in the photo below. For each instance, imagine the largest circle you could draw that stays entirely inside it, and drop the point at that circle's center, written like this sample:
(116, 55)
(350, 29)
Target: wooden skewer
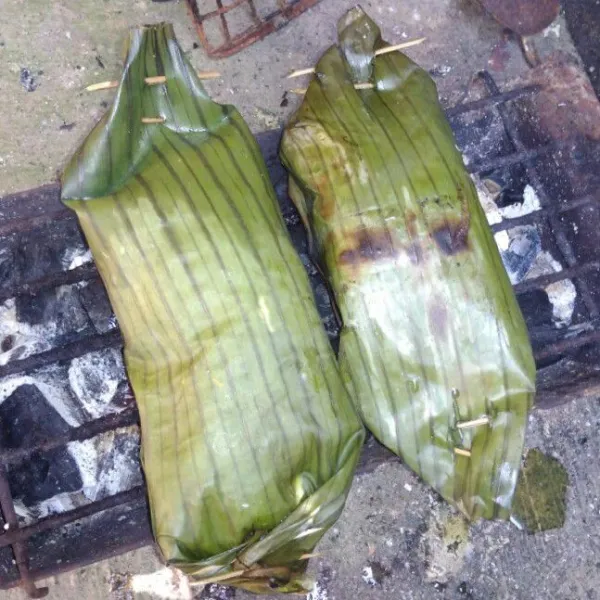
(208, 74)
(103, 85)
(357, 86)
(154, 80)
(400, 46)
(386, 50)
(150, 120)
(301, 72)
(310, 555)
(462, 452)
(474, 423)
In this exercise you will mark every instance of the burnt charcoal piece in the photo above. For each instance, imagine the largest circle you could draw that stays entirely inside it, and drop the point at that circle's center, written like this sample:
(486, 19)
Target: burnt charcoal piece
(97, 306)
(26, 418)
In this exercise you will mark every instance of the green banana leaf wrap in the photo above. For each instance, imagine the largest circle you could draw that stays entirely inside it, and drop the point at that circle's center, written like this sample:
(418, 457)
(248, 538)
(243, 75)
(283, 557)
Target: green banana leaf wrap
(249, 437)
(432, 334)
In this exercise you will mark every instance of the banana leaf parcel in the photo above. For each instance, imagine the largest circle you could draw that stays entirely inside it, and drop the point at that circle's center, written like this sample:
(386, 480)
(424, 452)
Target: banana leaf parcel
(249, 438)
(433, 343)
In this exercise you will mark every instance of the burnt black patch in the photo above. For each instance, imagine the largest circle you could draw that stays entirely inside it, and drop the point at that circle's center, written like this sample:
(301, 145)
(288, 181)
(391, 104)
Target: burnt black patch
(369, 245)
(452, 238)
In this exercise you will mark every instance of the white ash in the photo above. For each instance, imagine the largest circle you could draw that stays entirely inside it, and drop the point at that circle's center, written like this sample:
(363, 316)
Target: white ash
(521, 250)
(488, 191)
(368, 577)
(85, 393)
(531, 203)
(166, 584)
(562, 294)
(502, 240)
(94, 379)
(317, 593)
(52, 383)
(75, 256)
(66, 315)
(105, 470)
(78, 392)
(28, 339)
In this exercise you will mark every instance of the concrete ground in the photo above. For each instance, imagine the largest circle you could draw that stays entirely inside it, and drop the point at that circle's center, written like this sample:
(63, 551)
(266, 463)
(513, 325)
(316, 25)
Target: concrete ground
(50, 51)
(394, 540)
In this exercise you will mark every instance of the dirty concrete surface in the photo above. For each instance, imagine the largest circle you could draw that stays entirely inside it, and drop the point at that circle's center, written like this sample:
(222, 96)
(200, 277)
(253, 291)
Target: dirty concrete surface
(395, 538)
(50, 51)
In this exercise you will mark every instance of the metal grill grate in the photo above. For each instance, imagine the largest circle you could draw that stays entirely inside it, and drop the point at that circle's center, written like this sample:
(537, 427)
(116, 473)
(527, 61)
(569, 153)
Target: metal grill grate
(234, 25)
(87, 533)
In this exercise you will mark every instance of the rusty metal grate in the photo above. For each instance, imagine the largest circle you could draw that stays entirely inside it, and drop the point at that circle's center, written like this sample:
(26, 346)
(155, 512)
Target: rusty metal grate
(566, 356)
(236, 24)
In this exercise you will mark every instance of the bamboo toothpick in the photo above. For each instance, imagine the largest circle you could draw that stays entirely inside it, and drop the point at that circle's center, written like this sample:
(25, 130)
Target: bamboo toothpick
(103, 85)
(208, 74)
(357, 86)
(474, 423)
(462, 452)
(150, 120)
(386, 50)
(154, 80)
(400, 46)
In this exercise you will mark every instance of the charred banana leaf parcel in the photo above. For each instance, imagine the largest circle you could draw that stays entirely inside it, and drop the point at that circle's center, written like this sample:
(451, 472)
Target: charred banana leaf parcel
(434, 345)
(249, 438)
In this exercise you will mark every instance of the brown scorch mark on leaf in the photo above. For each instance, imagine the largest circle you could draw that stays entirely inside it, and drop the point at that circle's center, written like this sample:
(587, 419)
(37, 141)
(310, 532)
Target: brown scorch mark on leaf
(366, 246)
(453, 236)
(326, 200)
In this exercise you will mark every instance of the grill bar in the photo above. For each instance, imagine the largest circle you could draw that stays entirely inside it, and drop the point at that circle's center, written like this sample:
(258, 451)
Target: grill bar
(567, 344)
(492, 100)
(125, 418)
(19, 535)
(557, 226)
(112, 339)
(257, 30)
(539, 216)
(85, 272)
(19, 548)
(517, 157)
(544, 280)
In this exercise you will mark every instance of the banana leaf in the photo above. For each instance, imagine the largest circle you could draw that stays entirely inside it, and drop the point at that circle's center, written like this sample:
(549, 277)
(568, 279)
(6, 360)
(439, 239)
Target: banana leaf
(433, 343)
(249, 437)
